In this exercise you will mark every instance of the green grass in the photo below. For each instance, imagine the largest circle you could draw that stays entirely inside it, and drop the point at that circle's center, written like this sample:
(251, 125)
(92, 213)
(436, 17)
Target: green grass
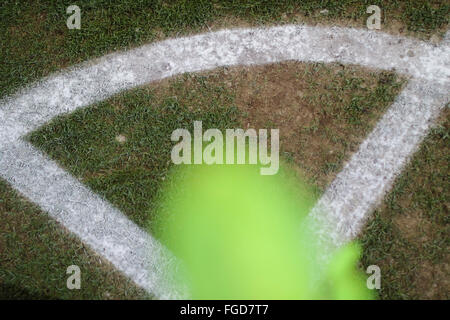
(129, 174)
(409, 236)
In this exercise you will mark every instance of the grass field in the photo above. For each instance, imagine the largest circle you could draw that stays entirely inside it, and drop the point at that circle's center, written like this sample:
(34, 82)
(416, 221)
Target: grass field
(120, 148)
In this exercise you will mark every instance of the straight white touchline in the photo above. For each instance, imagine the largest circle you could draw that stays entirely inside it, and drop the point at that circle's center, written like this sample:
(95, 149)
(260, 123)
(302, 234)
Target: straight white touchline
(365, 179)
(101, 226)
(348, 200)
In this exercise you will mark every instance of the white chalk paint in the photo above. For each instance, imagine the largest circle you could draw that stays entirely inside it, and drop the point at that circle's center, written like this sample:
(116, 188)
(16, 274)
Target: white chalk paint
(347, 202)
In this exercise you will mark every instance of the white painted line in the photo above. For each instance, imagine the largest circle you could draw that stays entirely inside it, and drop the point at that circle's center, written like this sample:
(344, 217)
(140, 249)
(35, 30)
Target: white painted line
(356, 190)
(365, 179)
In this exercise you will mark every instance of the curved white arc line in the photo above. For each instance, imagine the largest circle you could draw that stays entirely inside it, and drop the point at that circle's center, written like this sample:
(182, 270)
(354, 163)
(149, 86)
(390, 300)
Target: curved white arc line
(91, 83)
(41, 180)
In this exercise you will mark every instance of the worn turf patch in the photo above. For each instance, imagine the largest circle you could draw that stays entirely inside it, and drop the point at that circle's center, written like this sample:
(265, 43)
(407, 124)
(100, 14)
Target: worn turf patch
(408, 236)
(35, 253)
(121, 147)
(323, 111)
